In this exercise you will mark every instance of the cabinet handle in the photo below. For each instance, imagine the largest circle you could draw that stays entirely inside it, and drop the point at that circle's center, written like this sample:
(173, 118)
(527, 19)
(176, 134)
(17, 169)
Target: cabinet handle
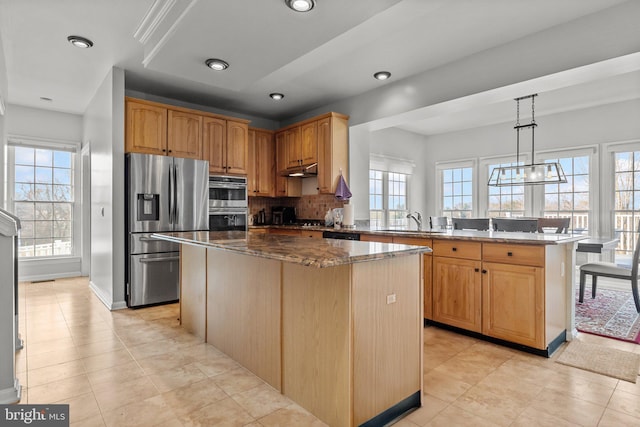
(484, 271)
(476, 269)
(454, 249)
(509, 253)
(164, 151)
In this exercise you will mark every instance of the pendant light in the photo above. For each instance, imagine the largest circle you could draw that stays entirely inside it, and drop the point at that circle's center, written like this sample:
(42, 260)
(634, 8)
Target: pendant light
(529, 174)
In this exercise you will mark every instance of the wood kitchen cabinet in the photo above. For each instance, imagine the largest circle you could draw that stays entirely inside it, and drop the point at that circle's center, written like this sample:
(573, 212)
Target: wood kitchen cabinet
(457, 284)
(513, 293)
(301, 144)
(226, 146)
(285, 186)
(145, 127)
(262, 155)
(153, 128)
(184, 134)
(333, 151)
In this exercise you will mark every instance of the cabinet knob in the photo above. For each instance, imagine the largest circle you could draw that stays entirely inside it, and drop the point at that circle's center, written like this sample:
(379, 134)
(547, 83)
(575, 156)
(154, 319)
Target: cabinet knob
(164, 151)
(509, 253)
(476, 269)
(169, 150)
(484, 271)
(454, 249)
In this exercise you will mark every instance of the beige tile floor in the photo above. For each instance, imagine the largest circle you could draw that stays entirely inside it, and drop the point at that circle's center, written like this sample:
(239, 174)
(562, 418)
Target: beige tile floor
(139, 368)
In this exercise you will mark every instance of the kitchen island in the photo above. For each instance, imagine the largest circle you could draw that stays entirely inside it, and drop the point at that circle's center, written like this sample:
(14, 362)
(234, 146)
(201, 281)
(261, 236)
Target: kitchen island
(512, 288)
(335, 325)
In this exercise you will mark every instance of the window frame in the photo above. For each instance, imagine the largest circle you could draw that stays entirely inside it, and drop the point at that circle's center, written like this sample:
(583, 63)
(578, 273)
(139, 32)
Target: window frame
(484, 173)
(54, 145)
(385, 198)
(457, 164)
(539, 190)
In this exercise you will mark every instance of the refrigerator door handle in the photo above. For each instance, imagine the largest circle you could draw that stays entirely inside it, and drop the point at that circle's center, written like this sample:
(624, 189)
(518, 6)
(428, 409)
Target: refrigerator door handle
(175, 194)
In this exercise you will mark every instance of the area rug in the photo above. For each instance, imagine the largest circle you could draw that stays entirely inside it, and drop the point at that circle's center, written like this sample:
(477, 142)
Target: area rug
(611, 313)
(611, 362)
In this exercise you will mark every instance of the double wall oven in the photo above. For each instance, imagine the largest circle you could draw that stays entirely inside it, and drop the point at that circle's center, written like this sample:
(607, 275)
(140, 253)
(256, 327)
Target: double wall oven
(228, 203)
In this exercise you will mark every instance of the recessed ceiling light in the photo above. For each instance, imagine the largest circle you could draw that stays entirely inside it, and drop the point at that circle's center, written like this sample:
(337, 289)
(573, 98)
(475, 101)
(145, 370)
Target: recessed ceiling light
(44, 98)
(276, 96)
(216, 64)
(300, 5)
(382, 75)
(81, 42)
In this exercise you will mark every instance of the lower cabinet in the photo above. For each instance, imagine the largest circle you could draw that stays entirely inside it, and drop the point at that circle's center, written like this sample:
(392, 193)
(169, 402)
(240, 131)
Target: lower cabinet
(513, 303)
(457, 292)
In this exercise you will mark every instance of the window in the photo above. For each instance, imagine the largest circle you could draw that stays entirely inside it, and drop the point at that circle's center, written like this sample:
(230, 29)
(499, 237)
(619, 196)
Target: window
(626, 200)
(570, 199)
(508, 201)
(388, 205)
(42, 194)
(457, 192)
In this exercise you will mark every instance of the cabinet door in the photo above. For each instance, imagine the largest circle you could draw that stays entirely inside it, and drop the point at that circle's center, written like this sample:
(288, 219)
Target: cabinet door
(457, 292)
(309, 143)
(325, 176)
(265, 164)
(292, 142)
(214, 143)
(252, 174)
(237, 148)
(513, 303)
(145, 129)
(333, 152)
(184, 135)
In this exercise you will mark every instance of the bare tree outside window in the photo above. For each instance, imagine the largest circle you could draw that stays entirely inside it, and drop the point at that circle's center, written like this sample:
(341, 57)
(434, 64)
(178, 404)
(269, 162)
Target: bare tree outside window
(43, 200)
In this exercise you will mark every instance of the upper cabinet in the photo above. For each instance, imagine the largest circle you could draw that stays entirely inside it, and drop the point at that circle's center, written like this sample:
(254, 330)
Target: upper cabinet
(145, 128)
(261, 174)
(322, 140)
(155, 128)
(184, 136)
(226, 146)
(333, 151)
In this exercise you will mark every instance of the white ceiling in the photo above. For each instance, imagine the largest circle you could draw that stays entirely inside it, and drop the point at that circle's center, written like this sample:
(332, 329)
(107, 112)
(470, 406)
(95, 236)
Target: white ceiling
(314, 59)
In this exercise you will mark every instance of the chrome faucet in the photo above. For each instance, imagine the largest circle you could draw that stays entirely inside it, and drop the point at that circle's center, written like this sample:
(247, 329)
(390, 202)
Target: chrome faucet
(417, 218)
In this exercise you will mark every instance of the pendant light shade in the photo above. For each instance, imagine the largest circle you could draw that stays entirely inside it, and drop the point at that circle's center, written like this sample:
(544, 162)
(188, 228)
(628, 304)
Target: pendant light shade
(529, 174)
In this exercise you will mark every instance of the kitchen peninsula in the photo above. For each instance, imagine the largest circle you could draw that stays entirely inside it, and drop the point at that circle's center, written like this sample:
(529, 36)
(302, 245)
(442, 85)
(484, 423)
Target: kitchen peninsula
(335, 325)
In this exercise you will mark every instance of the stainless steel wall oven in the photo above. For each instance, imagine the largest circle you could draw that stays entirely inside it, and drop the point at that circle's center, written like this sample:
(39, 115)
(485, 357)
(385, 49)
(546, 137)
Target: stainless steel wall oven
(228, 203)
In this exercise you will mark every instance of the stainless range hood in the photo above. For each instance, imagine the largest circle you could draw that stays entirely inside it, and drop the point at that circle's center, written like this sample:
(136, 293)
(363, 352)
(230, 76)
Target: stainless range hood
(302, 172)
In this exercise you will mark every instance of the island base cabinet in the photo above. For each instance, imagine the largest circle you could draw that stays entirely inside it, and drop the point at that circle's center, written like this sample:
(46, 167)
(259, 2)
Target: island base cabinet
(352, 338)
(193, 290)
(513, 304)
(387, 334)
(243, 311)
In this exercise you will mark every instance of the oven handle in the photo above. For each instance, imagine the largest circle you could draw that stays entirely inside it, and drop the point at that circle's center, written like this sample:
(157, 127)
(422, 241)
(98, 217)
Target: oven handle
(228, 212)
(169, 258)
(231, 186)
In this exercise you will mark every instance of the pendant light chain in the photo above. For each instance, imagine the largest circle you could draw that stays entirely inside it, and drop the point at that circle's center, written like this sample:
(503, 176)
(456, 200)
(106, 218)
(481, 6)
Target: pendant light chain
(517, 132)
(533, 127)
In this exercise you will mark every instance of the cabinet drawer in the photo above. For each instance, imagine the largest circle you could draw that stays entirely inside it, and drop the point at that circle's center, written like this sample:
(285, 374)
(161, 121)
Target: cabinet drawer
(514, 254)
(457, 249)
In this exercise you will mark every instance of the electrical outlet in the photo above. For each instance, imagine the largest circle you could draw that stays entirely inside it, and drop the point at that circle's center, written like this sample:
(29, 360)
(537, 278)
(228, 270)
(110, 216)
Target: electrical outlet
(391, 299)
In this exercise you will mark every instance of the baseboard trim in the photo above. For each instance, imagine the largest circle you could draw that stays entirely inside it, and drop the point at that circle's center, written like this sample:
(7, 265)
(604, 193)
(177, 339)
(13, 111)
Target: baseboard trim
(11, 395)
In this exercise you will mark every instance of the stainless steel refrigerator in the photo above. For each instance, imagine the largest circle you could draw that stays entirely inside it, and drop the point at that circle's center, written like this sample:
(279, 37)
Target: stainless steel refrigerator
(164, 194)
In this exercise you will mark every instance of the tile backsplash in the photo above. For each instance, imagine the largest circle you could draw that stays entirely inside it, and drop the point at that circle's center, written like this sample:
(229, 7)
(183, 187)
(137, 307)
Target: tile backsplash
(307, 207)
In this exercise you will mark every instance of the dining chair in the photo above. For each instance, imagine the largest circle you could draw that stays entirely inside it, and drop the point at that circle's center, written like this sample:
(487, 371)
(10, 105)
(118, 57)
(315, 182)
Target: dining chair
(438, 222)
(480, 224)
(561, 225)
(611, 270)
(515, 224)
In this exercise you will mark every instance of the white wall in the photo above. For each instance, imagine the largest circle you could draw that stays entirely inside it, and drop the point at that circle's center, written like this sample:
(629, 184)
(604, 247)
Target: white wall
(104, 131)
(36, 123)
(3, 100)
(403, 145)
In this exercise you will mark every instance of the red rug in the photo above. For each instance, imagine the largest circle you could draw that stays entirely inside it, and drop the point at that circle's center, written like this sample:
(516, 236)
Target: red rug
(611, 314)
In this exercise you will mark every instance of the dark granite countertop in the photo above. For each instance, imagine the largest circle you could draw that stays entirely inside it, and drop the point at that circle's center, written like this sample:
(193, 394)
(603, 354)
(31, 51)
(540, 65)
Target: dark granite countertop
(299, 250)
(480, 236)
